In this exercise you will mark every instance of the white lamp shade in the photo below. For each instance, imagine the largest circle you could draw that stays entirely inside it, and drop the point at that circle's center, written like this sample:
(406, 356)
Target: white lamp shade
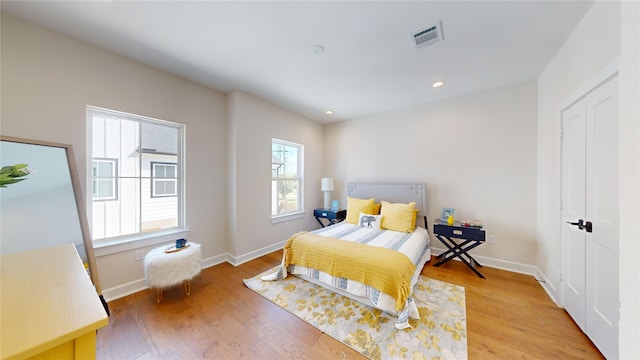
(326, 184)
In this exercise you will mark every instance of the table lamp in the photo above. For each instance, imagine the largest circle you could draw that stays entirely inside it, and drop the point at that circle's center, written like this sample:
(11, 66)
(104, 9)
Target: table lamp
(326, 185)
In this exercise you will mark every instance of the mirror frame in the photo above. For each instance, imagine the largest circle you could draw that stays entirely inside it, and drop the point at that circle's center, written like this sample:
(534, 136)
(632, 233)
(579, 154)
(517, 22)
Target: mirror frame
(80, 205)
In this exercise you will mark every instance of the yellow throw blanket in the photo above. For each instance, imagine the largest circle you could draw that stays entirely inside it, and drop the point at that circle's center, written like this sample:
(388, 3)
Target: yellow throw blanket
(386, 270)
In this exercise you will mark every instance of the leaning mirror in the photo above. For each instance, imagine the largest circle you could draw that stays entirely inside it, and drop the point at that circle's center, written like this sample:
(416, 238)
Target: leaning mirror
(41, 204)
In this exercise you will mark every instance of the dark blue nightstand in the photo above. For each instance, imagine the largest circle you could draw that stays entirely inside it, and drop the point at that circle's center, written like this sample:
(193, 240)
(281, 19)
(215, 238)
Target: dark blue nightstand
(334, 216)
(471, 237)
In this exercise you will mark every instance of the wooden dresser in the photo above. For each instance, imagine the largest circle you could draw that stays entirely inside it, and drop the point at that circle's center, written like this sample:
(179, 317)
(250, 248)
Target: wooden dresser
(50, 308)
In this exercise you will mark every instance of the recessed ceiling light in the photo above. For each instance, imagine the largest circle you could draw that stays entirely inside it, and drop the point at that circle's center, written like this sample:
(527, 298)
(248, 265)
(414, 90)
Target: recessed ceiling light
(328, 112)
(437, 84)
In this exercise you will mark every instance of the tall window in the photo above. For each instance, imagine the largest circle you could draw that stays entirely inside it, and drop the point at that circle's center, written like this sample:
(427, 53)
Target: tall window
(137, 174)
(286, 178)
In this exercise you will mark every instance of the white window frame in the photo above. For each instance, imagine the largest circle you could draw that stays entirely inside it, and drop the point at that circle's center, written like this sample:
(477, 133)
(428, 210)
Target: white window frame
(299, 178)
(112, 245)
(101, 178)
(155, 179)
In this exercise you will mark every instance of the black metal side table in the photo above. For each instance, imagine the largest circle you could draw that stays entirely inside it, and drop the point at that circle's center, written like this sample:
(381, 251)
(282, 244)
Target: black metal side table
(470, 237)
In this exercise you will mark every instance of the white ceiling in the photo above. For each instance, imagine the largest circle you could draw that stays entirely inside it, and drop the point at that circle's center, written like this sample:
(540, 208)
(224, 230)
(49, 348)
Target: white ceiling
(369, 65)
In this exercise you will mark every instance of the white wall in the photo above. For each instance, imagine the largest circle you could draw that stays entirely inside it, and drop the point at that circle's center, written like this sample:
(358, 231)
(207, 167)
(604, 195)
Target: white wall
(48, 80)
(253, 122)
(593, 45)
(476, 153)
(608, 34)
(630, 180)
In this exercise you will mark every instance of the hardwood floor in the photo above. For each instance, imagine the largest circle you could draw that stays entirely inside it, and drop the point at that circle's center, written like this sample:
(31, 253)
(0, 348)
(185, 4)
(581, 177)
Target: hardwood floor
(509, 316)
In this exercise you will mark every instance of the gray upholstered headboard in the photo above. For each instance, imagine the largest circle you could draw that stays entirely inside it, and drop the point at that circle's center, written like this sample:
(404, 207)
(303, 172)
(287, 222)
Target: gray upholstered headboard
(391, 192)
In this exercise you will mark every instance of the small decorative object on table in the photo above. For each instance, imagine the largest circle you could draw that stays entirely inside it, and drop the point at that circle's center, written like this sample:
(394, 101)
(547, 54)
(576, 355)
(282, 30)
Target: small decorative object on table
(180, 244)
(471, 223)
(446, 212)
(335, 205)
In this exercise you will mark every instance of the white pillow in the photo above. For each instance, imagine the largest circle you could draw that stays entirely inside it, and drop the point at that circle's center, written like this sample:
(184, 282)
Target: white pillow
(369, 221)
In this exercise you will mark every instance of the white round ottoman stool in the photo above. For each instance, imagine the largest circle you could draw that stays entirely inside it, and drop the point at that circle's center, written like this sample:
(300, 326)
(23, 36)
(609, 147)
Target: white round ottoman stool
(167, 266)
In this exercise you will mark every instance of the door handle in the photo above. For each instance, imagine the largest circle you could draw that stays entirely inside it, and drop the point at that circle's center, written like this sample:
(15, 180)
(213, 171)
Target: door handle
(579, 224)
(582, 225)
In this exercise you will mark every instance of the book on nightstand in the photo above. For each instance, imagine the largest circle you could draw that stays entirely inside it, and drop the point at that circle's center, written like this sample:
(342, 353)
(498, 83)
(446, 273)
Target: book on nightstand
(471, 223)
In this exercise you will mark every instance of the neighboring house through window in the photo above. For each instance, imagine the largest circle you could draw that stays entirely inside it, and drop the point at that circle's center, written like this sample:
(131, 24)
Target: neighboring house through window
(286, 179)
(104, 179)
(137, 175)
(164, 180)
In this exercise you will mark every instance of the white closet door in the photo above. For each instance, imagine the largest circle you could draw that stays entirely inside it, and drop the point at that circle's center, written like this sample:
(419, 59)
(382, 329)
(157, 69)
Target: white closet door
(590, 198)
(602, 305)
(574, 159)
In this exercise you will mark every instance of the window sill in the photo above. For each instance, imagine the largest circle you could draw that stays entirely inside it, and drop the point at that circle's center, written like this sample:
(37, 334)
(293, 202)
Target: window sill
(113, 246)
(282, 218)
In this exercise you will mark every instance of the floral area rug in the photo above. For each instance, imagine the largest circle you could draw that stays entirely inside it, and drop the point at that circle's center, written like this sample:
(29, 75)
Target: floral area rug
(440, 333)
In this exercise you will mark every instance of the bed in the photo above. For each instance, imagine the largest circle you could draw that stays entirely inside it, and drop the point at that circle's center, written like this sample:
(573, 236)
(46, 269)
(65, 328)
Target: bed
(375, 259)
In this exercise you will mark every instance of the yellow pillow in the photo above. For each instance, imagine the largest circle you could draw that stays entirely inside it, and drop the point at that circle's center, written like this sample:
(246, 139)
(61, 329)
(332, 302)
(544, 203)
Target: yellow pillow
(355, 206)
(376, 209)
(399, 216)
(415, 216)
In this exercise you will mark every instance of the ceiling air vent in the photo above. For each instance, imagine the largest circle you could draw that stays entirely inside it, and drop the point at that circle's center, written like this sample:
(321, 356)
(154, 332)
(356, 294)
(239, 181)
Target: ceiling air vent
(427, 36)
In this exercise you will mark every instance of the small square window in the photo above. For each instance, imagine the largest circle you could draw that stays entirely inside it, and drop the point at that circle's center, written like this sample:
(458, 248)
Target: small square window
(164, 181)
(104, 179)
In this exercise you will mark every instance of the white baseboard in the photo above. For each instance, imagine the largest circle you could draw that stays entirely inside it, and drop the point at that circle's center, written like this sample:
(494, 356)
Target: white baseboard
(238, 260)
(498, 264)
(517, 268)
(213, 261)
(139, 285)
(548, 287)
(124, 290)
